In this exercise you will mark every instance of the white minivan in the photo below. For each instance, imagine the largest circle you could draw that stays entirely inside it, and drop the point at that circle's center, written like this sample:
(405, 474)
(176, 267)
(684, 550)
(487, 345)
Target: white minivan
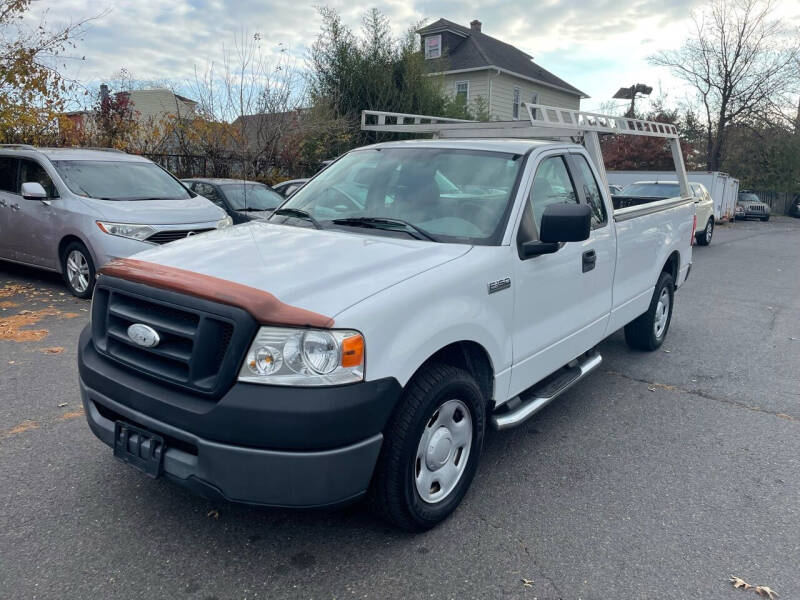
(71, 210)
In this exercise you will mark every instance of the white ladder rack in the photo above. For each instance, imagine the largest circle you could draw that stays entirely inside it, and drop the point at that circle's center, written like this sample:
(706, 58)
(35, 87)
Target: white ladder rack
(544, 122)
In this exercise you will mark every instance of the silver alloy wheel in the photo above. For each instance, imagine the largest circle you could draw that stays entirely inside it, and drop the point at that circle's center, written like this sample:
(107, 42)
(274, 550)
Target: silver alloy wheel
(709, 231)
(78, 271)
(662, 313)
(443, 451)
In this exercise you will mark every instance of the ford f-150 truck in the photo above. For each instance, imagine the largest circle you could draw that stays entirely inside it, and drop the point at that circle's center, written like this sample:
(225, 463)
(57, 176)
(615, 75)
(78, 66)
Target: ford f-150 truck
(361, 340)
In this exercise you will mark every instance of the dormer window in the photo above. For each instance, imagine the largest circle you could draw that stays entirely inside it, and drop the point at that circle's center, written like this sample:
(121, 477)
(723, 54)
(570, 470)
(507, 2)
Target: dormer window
(433, 46)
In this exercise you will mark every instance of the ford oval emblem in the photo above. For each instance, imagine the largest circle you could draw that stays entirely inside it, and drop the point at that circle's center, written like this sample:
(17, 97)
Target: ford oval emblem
(143, 335)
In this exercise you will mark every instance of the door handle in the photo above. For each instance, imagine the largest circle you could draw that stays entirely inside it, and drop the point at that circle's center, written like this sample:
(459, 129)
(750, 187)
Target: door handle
(589, 260)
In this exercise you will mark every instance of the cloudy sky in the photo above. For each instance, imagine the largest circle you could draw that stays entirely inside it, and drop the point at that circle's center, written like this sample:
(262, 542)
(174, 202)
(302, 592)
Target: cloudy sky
(596, 45)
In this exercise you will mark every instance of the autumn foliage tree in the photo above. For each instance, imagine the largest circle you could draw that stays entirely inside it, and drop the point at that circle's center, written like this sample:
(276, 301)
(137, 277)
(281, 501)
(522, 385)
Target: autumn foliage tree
(32, 89)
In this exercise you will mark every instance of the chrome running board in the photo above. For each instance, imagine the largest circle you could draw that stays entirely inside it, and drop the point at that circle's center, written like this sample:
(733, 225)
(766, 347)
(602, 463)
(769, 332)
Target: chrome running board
(536, 398)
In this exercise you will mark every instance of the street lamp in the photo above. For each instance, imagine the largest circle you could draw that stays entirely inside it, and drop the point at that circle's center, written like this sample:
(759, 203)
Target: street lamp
(630, 93)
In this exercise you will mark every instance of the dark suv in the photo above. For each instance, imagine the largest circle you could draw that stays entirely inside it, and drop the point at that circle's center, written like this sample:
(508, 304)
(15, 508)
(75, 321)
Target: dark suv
(242, 200)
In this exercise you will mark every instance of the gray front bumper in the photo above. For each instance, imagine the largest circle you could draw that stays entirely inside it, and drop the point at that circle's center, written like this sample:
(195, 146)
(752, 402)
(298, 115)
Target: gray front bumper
(245, 474)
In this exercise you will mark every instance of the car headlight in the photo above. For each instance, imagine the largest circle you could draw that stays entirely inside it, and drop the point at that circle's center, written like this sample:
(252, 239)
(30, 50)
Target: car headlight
(226, 222)
(304, 357)
(126, 230)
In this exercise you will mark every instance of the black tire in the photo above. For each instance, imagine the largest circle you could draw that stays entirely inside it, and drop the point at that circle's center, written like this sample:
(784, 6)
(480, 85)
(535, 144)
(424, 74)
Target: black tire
(704, 237)
(74, 286)
(641, 333)
(393, 494)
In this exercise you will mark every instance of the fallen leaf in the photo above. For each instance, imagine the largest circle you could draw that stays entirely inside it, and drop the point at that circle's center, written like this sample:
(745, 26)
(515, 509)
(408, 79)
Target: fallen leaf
(527, 582)
(652, 388)
(53, 350)
(667, 351)
(740, 583)
(21, 428)
(73, 414)
(62, 404)
(213, 513)
(763, 590)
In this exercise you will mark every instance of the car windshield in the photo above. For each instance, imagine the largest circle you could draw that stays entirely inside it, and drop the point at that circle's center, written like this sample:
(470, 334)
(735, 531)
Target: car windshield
(748, 198)
(451, 195)
(120, 180)
(651, 190)
(251, 196)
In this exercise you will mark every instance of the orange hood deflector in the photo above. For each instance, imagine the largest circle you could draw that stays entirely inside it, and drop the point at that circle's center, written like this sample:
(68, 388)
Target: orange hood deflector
(263, 306)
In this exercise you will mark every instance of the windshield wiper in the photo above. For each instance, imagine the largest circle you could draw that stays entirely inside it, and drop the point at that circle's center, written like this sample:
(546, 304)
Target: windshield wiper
(299, 214)
(387, 224)
(251, 209)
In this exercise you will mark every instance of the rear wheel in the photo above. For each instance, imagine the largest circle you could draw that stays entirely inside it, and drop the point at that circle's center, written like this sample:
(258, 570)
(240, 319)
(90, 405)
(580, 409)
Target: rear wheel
(649, 330)
(78, 269)
(431, 449)
(704, 237)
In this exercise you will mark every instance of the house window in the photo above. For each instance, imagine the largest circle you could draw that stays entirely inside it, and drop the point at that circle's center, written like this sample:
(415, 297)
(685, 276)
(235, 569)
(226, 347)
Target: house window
(433, 46)
(534, 100)
(462, 92)
(515, 106)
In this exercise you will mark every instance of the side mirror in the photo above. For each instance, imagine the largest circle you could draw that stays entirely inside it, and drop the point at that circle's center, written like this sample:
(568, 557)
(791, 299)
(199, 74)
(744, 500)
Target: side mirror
(560, 223)
(566, 223)
(33, 190)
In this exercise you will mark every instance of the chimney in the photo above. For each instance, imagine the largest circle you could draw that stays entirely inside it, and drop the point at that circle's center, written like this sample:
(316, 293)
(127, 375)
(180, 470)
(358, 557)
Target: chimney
(475, 25)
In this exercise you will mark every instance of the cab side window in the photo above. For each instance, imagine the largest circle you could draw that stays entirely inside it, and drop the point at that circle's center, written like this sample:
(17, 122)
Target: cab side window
(551, 185)
(32, 172)
(591, 191)
(8, 174)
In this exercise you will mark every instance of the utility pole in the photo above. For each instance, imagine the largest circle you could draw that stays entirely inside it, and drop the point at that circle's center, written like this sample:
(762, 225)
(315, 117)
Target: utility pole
(630, 93)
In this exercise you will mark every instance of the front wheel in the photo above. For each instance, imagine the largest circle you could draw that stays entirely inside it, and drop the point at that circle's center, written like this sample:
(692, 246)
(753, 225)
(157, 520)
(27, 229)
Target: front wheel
(649, 330)
(704, 237)
(78, 269)
(431, 449)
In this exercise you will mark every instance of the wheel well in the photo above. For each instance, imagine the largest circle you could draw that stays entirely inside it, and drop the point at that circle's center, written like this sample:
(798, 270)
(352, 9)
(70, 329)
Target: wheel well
(672, 264)
(473, 358)
(68, 239)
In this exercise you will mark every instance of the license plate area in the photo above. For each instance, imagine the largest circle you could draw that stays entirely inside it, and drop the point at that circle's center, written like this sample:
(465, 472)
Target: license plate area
(139, 448)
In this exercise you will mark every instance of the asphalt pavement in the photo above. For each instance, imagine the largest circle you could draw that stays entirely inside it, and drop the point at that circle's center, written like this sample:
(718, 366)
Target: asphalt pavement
(659, 476)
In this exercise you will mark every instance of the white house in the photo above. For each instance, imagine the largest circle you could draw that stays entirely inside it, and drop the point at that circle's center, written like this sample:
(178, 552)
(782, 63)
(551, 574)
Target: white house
(483, 71)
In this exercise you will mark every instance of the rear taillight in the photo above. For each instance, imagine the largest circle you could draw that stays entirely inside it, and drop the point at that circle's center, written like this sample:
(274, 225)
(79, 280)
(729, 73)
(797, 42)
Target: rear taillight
(694, 228)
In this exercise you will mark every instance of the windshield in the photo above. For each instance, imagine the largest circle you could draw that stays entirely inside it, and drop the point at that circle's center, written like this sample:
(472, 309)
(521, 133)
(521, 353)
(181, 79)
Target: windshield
(251, 196)
(651, 190)
(748, 198)
(450, 194)
(120, 180)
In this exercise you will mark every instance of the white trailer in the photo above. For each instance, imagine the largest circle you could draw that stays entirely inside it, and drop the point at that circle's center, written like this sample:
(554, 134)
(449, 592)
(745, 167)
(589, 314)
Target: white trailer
(723, 188)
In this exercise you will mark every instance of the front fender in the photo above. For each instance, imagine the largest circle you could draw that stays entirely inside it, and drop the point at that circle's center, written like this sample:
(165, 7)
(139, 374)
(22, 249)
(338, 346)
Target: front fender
(406, 324)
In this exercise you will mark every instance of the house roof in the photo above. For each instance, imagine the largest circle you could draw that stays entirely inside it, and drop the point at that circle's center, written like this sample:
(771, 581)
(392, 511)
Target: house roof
(479, 50)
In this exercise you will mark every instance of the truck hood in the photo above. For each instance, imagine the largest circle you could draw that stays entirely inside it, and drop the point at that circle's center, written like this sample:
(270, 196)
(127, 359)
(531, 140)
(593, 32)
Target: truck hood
(158, 212)
(318, 270)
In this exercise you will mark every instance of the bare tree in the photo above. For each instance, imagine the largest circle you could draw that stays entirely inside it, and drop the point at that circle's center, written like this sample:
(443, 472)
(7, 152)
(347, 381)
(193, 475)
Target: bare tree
(743, 64)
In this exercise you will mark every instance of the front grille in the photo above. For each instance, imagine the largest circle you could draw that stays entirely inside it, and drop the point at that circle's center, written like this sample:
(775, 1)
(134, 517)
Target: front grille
(201, 343)
(170, 235)
(756, 208)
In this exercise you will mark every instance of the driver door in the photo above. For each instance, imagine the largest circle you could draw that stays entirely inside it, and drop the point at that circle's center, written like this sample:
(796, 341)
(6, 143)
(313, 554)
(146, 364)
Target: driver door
(557, 317)
(35, 223)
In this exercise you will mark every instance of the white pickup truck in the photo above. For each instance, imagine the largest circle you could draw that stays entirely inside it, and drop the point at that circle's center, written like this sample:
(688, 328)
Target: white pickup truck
(406, 298)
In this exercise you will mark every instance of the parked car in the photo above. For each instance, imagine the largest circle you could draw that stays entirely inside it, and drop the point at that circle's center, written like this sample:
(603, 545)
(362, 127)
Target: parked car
(643, 191)
(287, 188)
(72, 210)
(614, 189)
(748, 206)
(242, 200)
(794, 209)
(350, 347)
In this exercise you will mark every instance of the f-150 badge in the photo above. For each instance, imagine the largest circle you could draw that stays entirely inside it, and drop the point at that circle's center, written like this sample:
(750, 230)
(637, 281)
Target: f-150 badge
(500, 284)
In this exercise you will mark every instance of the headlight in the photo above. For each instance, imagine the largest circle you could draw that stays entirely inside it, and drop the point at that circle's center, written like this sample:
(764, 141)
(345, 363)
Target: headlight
(126, 230)
(304, 357)
(226, 222)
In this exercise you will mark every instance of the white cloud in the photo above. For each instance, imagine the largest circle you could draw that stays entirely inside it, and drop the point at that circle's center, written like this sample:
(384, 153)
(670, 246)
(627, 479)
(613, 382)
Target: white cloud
(596, 45)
